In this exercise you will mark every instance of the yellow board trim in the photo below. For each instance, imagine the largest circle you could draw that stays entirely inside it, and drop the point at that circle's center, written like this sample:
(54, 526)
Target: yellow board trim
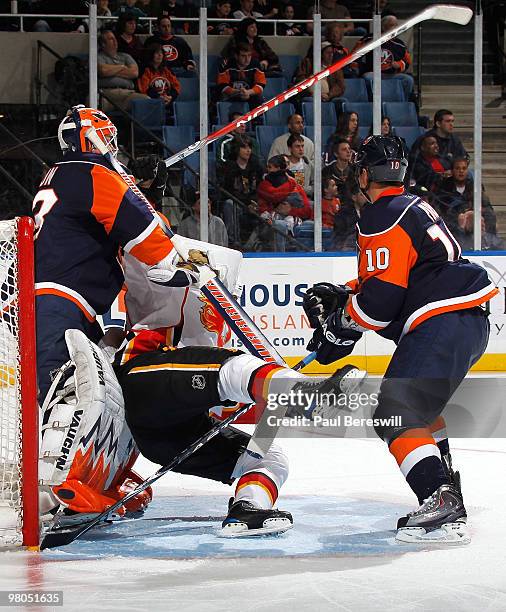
(377, 364)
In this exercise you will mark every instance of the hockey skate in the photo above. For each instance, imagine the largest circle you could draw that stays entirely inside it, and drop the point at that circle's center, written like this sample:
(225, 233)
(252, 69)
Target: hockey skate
(441, 519)
(245, 520)
(323, 394)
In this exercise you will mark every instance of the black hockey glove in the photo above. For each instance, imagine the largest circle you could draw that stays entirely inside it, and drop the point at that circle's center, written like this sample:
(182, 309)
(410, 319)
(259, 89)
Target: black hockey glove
(321, 300)
(331, 341)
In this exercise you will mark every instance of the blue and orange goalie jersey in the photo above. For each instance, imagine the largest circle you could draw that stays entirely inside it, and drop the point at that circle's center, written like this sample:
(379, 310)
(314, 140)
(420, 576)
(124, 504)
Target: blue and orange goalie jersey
(84, 212)
(410, 267)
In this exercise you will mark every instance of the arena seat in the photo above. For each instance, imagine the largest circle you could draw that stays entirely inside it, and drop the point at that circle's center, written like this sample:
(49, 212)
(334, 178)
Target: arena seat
(150, 113)
(225, 108)
(187, 113)
(329, 116)
(178, 137)
(401, 113)
(265, 135)
(279, 114)
(289, 64)
(409, 133)
(363, 110)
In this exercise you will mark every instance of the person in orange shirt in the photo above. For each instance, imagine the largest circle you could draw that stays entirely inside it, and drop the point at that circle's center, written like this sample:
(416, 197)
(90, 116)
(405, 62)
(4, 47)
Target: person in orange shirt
(413, 287)
(157, 81)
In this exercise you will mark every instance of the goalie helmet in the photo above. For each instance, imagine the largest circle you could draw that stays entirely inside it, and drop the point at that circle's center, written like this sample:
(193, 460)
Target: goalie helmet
(384, 157)
(78, 120)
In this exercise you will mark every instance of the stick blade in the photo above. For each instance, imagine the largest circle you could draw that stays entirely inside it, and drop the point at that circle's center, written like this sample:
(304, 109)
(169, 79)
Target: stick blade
(449, 12)
(55, 539)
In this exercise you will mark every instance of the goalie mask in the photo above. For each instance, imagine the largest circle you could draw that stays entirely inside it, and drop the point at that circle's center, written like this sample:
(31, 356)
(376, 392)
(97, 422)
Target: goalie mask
(72, 130)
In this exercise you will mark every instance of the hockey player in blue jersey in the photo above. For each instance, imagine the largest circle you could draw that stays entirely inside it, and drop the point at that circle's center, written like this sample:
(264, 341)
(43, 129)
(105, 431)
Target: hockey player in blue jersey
(414, 288)
(84, 212)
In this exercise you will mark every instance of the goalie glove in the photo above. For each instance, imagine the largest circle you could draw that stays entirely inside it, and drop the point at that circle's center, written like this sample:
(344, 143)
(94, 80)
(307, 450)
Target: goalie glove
(169, 273)
(321, 300)
(331, 341)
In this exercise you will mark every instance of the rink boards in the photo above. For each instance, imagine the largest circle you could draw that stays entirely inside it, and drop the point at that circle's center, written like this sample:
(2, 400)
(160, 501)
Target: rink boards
(273, 286)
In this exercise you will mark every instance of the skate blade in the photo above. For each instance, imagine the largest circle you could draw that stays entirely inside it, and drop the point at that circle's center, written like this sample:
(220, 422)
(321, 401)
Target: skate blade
(240, 530)
(453, 534)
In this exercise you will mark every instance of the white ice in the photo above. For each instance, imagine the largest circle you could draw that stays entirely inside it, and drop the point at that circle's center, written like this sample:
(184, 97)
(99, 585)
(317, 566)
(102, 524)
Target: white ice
(345, 496)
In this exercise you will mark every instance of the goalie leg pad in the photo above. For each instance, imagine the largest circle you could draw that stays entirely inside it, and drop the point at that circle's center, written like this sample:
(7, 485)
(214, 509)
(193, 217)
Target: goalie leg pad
(85, 439)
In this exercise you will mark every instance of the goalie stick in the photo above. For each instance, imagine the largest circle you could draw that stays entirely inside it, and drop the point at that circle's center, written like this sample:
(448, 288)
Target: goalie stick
(54, 539)
(443, 12)
(211, 286)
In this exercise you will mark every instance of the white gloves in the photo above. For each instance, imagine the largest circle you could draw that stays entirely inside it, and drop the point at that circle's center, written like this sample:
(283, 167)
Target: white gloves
(166, 273)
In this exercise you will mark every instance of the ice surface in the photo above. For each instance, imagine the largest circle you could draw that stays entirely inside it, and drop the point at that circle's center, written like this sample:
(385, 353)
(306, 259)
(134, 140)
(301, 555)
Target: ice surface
(345, 496)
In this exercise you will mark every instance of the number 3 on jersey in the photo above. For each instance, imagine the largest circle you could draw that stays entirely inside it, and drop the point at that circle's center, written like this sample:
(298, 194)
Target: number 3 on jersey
(43, 202)
(377, 259)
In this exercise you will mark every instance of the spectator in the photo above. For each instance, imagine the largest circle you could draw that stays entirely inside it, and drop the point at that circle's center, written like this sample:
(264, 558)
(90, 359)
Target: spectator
(330, 202)
(180, 11)
(245, 10)
(331, 87)
(289, 29)
(346, 129)
(128, 41)
(116, 73)
(247, 33)
(282, 201)
(176, 51)
(340, 168)
(242, 78)
(331, 10)
(450, 145)
(386, 127)
(456, 195)
(309, 26)
(157, 81)
(395, 58)
(221, 11)
(190, 225)
(130, 9)
(299, 165)
(334, 35)
(225, 146)
(103, 9)
(240, 177)
(345, 220)
(429, 168)
(280, 144)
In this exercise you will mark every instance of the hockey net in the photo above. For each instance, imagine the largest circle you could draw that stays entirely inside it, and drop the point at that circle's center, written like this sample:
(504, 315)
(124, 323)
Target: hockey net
(19, 437)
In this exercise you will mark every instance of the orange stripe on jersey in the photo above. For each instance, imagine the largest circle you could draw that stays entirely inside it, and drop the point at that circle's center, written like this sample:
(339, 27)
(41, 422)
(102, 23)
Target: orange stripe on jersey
(108, 192)
(390, 191)
(144, 342)
(450, 308)
(153, 248)
(409, 441)
(352, 312)
(67, 297)
(380, 249)
(353, 285)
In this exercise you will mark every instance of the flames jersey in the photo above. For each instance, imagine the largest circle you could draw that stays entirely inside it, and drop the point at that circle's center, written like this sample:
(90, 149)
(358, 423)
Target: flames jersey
(410, 267)
(83, 213)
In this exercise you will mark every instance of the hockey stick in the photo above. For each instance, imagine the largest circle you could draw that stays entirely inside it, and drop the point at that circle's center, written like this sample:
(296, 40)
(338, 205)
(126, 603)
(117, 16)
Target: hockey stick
(443, 12)
(211, 286)
(62, 538)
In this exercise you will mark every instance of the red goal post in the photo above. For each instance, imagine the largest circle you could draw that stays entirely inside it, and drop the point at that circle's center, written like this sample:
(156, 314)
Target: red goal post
(19, 413)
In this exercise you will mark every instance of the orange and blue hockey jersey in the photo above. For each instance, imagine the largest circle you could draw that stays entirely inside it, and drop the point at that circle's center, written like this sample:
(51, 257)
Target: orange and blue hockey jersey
(410, 267)
(84, 212)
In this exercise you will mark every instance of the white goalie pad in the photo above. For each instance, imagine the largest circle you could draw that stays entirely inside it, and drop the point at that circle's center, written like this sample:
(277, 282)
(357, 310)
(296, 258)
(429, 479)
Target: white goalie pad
(152, 306)
(84, 433)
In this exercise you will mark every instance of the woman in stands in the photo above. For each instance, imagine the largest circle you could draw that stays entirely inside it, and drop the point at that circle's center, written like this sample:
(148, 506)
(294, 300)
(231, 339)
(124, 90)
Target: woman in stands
(347, 128)
(248, 33)
(157, 81)
(386, 127)
(128, 41)
(289, 29)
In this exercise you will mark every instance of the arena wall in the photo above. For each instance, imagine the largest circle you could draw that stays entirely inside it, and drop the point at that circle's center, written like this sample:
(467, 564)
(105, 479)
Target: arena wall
(273, 286)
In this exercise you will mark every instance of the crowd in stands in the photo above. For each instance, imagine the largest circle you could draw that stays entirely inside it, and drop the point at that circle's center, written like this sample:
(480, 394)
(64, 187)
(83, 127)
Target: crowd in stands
(262, 196)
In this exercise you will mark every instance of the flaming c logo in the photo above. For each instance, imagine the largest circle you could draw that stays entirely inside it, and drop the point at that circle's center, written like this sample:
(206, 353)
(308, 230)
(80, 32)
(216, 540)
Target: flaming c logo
(213, 322)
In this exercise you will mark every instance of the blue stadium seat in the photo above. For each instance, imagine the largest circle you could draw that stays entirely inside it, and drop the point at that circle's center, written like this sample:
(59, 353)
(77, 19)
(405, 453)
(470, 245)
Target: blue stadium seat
(265, 135)
(392, 91)
(355, 91)
(225, 108)
(178, 137)
(327, 131)
(363, 110)
(189, 90)
(364, 132)
(304, 233)
(409, 133)
(289, 64)
(274, 86)
(279, 114)
(329, 116)
(150, 113)
(401, 113)
(189, 178)
(187, 113)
